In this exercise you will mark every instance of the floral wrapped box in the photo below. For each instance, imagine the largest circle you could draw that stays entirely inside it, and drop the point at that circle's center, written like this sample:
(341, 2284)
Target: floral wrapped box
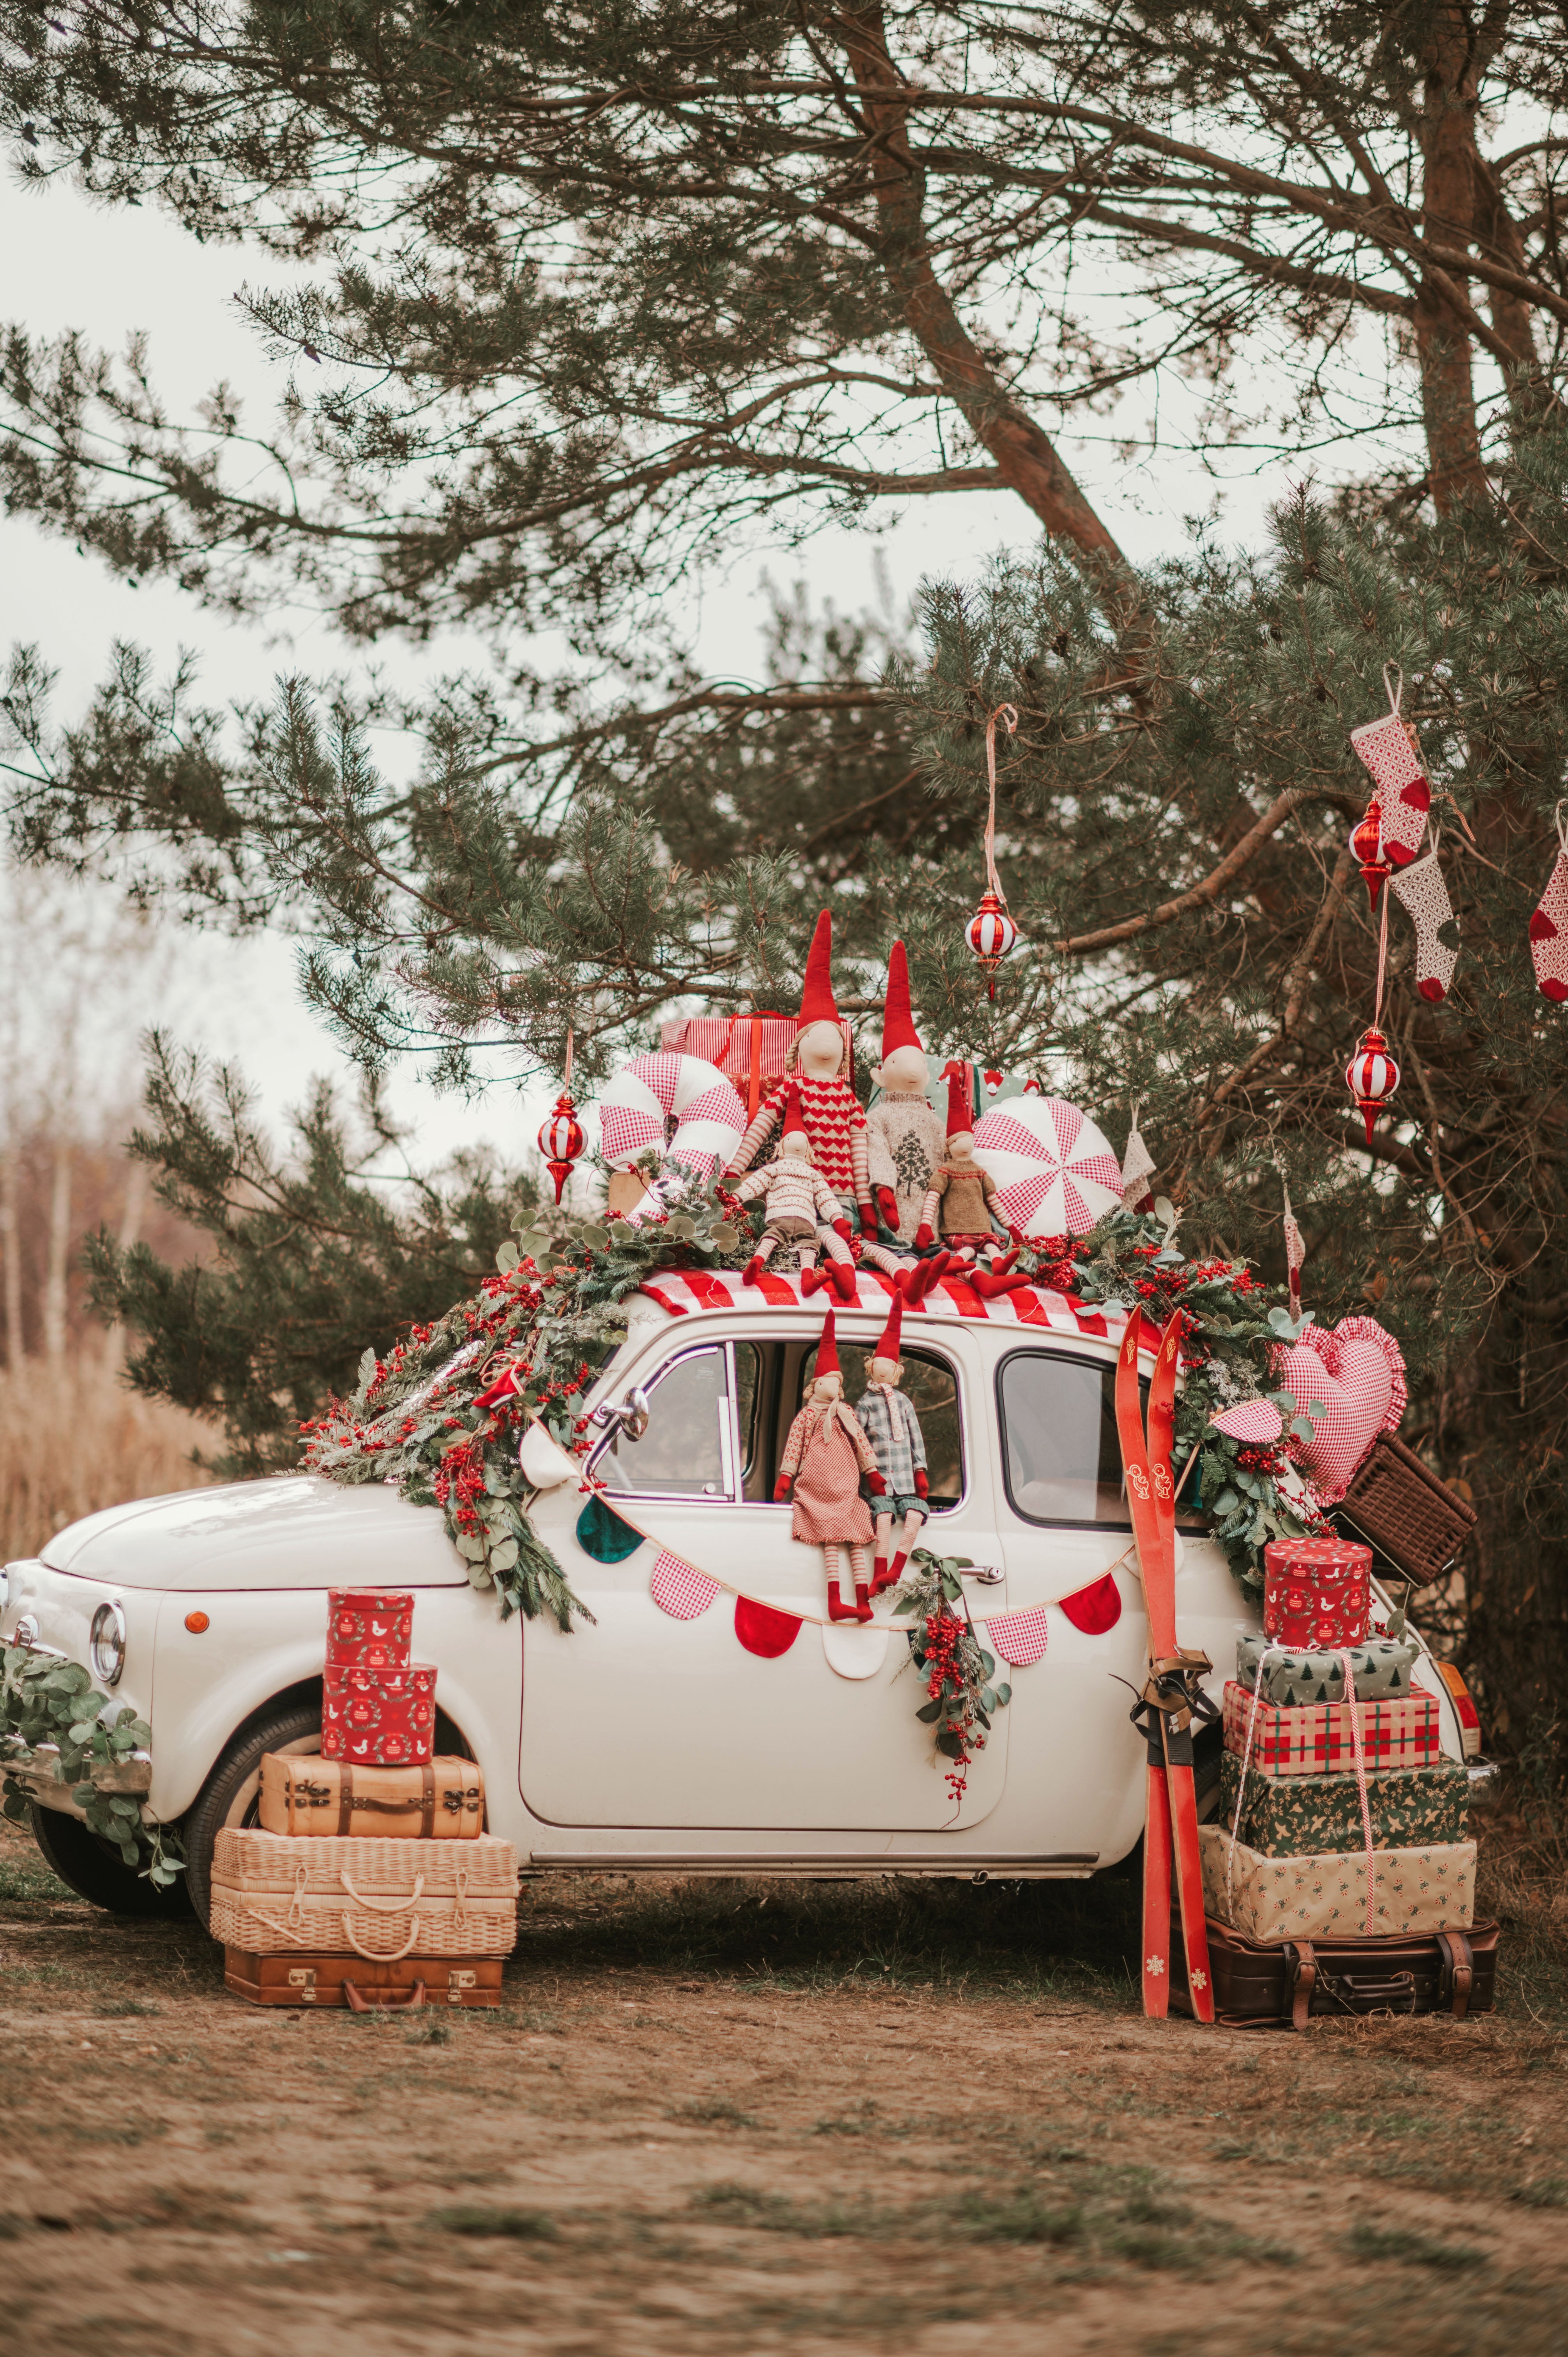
(1299, 1816)
(1267, 1899)
(1315, 1739)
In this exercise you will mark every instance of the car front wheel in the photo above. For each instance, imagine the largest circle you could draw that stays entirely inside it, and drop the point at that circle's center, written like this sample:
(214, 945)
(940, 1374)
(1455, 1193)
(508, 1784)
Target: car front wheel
(95, 1870)
(231, 1794)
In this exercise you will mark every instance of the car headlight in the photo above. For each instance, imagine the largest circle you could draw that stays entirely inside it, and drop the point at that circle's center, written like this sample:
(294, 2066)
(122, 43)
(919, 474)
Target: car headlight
(106, 1646)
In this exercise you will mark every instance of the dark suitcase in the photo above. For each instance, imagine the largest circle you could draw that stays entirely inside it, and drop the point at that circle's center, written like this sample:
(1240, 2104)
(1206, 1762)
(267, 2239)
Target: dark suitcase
(1281, 1985)
(320, 1980)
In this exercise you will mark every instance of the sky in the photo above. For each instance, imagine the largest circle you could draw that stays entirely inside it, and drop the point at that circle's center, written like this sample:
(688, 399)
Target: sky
(71, 264)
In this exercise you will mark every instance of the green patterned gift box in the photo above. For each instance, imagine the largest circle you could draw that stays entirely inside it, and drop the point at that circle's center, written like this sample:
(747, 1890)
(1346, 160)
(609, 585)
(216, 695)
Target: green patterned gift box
(1429, 1889)
(1381, 1668)
(1297, 1815)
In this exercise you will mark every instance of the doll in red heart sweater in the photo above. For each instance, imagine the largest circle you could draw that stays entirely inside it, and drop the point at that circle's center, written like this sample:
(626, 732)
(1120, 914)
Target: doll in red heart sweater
(819, 1068)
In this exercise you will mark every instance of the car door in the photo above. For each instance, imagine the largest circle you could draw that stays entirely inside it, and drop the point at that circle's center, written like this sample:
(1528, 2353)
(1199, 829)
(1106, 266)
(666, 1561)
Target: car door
(643, 1720)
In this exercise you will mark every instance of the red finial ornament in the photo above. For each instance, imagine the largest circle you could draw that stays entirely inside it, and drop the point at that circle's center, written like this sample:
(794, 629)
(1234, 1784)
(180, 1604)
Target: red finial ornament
(1371, 1076)
(1367, 842)
(991, 932)
(561, 1138)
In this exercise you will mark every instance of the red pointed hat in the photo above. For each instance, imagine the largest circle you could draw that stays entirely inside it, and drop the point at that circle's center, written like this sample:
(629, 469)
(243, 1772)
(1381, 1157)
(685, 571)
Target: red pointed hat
(961, 1114)
(828, 1351)
(897, 1022)
(817, 1002)
(891, 1343)
(794, 1119)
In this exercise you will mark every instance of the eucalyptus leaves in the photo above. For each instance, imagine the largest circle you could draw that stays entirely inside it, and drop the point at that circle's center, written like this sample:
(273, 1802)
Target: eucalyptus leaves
(44, 1700)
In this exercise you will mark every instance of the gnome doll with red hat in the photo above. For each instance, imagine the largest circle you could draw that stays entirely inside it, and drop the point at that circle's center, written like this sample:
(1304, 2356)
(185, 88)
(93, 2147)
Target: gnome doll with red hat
(801, 1210)
(817, 1061)
(824, 1457)
(890, 1423)
(903, 1137)
(957, 1215)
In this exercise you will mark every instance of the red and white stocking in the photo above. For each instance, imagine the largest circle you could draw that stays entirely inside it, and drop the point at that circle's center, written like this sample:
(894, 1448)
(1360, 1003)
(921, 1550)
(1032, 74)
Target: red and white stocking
(1549, 925)
(1426, 896)
(1388, 750)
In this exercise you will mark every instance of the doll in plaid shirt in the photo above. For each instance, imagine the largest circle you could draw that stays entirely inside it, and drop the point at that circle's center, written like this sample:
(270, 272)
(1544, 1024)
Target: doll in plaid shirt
(893, 1429)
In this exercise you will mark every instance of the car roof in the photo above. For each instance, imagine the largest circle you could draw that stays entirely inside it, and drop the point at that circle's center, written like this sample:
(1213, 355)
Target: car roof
(1031, 1310)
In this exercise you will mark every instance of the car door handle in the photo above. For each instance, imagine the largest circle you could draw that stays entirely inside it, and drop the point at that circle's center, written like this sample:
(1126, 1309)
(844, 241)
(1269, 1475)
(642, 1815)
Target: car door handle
(988, 1574)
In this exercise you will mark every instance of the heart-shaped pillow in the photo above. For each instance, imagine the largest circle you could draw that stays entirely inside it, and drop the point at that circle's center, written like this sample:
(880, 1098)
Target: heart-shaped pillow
(1357, 1373)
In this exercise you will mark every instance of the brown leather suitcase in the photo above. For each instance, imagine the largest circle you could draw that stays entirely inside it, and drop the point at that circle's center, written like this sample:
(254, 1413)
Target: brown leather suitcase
(321, 1980)
(1281, 1986)
(301, 1795)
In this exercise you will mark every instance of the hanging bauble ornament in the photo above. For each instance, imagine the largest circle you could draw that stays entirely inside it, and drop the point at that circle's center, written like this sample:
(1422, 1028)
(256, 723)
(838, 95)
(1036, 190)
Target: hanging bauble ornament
(561, 1140)
(991, 932)
(1371, 1076)
(1367, 844)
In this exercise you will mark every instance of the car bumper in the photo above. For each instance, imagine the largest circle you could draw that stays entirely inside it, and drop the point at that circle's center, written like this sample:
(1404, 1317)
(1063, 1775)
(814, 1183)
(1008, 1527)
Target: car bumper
(39, 1774)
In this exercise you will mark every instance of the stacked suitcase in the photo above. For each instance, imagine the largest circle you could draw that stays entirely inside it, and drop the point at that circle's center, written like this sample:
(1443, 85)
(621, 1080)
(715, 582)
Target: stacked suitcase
(1339, 1876)
(370, 1881)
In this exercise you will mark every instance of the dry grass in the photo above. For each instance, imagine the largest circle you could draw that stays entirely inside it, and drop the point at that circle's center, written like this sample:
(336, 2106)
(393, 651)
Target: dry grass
(72, 1438)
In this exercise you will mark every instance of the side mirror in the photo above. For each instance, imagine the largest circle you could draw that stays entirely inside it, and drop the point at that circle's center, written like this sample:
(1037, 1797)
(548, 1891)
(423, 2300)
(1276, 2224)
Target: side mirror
(629, 1414)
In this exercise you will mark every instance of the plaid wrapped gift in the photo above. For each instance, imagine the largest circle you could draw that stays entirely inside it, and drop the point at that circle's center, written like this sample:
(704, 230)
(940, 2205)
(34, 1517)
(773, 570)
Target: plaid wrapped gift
(1315, 1739)
(1299, 1816)
(1381, 1666)
(1414, 1891)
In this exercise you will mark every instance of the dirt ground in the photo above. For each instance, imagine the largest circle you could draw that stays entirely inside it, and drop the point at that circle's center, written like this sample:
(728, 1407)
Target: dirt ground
(720, 2116)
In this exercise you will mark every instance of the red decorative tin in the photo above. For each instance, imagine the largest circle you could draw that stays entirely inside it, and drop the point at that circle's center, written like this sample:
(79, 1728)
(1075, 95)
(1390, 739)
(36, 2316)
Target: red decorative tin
(384, 1718)
(368, 1628)
(1317, 1592)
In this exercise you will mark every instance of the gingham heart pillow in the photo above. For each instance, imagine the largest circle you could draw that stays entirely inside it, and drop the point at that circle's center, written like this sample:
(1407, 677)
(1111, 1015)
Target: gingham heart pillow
(1357, 1372)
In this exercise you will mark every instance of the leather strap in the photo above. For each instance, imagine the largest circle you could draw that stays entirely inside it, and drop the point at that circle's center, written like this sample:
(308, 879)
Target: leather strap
(1302, 1965)
(427, 1814)
(1458, 1970)
(345, 1799)
(389, 2004)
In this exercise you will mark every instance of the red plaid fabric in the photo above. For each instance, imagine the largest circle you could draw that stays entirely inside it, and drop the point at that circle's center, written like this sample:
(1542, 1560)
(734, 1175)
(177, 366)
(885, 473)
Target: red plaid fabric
(1316, 1739)
(1357, 1373)
(680, 1588)
(1019, 1638)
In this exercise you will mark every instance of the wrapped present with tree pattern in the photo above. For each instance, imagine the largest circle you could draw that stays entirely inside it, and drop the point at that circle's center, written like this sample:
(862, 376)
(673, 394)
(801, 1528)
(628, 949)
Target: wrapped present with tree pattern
(1316, 1739)
(1383, 1665)
(1429, 1889)
(1298, 1816)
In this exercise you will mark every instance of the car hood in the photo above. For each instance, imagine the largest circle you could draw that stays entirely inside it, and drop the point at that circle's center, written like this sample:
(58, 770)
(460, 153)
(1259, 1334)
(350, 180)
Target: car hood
(294, 1530)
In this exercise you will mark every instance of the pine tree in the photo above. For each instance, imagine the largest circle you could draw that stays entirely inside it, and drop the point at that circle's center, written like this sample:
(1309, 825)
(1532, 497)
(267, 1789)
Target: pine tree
(613, 291)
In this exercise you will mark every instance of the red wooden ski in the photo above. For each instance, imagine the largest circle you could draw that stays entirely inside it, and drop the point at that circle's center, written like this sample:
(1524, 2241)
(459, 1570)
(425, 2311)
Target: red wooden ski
(1165, 1708)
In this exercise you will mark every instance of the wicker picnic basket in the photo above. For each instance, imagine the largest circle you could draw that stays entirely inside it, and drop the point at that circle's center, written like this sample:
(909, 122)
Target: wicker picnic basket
(385, 1899)
(1406, 1512)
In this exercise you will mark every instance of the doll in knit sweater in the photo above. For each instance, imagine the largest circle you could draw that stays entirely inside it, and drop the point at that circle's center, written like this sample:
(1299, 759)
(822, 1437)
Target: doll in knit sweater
(819, 1059)
(957, 1211)
(903, 1137)
(889, 1422)
(801, 1210)
(824, 1459)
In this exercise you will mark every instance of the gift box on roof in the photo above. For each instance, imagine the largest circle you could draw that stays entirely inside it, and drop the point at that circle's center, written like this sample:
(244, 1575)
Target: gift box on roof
(384, 1718)
(1297, 1816)
(1381, 1666)
(1316, 1739)
(370, 1628)
(1428, 1888)
(751, 1051)
(1317, 1592)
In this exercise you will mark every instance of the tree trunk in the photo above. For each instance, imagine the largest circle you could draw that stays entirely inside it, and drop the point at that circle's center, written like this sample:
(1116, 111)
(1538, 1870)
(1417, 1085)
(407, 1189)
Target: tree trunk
(11, 1248)
(57, 1274)
(1449, 192)
(1026, 456)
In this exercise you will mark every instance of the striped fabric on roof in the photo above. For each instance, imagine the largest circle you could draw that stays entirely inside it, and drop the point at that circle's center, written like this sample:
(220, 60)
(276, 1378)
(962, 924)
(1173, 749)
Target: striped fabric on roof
(686, 1292)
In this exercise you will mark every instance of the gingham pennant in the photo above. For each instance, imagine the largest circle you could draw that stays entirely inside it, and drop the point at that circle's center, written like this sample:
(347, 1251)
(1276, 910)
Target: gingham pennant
(680, 1588)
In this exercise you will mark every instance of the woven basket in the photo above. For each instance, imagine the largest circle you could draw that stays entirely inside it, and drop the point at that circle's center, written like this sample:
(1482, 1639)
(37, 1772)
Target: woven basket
(384, 1900)
(1406, 1512)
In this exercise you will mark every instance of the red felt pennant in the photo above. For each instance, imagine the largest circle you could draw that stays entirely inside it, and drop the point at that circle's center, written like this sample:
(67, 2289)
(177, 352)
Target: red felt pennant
(763, 1630)
(1096, 1607)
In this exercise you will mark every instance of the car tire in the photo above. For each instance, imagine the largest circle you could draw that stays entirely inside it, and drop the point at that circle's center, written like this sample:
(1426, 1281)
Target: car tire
(231, 1794)
(95, 1870)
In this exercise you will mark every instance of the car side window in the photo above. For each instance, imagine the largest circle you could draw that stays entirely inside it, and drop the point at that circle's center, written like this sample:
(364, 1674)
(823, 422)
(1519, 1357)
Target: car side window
(683, 1453)
(932, 1388)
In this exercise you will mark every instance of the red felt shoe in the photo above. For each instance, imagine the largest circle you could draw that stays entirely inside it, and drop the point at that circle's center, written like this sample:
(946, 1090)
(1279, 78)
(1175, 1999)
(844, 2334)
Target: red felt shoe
(752, 1270)
(837, 1609)
(809, 1280)
(883, 1577)
(842, 1273)
(862, 1602)
(990, 1282)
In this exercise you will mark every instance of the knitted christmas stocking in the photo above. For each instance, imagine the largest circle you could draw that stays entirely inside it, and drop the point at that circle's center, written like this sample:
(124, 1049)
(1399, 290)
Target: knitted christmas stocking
(1549, 934)
(1388, 750)
(1425, 895)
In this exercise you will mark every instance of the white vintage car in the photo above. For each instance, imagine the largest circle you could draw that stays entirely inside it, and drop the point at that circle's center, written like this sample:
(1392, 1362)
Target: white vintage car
(642, 1741)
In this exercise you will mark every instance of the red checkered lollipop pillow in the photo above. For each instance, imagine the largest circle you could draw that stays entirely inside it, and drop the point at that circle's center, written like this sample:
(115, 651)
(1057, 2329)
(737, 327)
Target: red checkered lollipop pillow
(1357, 1372)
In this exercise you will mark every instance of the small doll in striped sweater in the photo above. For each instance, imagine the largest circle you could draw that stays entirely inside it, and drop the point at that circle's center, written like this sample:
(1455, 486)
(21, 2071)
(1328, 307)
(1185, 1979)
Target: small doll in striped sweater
(801, 1210)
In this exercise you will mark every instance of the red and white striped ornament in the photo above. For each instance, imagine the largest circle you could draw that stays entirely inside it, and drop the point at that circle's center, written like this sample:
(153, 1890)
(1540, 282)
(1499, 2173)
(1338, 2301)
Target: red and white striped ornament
(1371, 1076)
(991, 932)
(561, 1140)
(1367, 844)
